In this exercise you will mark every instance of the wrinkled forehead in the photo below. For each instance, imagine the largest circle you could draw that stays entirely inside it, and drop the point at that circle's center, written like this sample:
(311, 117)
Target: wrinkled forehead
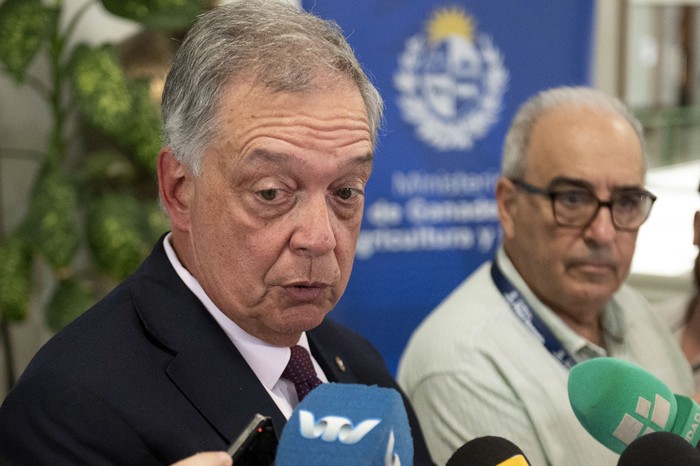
(245, 91)
(588, 143)
(332, 122)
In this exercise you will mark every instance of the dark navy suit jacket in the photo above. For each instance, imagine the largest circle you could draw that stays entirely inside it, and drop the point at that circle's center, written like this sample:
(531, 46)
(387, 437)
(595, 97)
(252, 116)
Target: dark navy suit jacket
(148, 377)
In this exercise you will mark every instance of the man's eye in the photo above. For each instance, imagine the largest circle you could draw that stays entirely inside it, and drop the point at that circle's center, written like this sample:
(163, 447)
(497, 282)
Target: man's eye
(268, 194)
(347, 193)
(574, 198)
(629, 201)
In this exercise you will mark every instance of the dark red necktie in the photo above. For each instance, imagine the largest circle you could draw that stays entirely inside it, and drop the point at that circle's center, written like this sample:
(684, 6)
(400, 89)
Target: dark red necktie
(300, 370)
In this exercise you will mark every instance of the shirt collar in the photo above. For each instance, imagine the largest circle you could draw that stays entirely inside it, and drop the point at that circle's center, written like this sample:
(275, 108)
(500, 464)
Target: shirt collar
(613, 321)
(267, 361)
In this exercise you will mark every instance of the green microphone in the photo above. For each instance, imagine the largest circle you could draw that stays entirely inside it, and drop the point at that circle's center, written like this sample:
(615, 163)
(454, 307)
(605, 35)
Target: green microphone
(617, 402)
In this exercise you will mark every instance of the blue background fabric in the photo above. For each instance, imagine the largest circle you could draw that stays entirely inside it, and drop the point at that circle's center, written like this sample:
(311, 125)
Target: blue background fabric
(452, 75)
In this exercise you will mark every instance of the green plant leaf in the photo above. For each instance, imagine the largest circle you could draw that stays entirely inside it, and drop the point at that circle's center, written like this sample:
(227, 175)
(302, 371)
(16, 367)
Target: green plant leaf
(52, 220)
(116, 106)
(70, 299)
(115, 231)
(106, 166)
(142, 133)
(157, 222)
(15, 277)
(23, 29)
(101, 90)
(157, 14)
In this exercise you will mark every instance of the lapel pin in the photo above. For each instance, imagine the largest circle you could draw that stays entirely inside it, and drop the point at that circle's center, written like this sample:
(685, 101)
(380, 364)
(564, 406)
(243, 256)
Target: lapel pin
(340, 363)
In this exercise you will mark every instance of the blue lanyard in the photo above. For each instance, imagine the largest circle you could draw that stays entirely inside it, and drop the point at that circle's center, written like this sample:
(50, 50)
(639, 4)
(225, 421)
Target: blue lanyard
(524, 312)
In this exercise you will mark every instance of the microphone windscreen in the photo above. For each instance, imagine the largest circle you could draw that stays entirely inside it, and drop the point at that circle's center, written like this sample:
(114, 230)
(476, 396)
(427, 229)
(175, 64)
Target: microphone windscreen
(660, 448)
(347, 424)
(488, 451)
(617, 401)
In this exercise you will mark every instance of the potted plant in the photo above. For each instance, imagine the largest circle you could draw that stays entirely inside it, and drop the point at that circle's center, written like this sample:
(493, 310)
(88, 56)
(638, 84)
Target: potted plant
(93, 212)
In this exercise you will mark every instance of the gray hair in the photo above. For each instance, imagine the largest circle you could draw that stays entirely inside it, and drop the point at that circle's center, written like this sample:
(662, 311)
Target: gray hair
(517, 139)
(272, 43)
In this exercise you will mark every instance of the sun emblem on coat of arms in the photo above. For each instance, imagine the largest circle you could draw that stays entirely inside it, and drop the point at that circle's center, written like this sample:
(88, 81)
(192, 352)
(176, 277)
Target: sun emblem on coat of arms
(451, 81)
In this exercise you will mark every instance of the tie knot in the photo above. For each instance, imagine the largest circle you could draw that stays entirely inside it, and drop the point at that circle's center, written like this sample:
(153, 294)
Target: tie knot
(300, 370)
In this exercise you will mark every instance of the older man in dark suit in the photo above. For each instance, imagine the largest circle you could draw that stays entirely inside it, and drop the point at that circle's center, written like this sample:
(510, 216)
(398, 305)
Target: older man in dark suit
(269, 129)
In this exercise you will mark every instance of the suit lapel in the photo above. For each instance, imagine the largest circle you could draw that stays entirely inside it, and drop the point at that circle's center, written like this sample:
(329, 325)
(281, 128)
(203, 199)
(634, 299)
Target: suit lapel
(206, 367)
(220, 384)
(331, 360)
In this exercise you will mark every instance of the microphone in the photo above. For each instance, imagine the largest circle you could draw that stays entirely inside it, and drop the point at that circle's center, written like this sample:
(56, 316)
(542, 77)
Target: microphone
(347, 424)
(617, 402)
(659, 448)
(488, 451)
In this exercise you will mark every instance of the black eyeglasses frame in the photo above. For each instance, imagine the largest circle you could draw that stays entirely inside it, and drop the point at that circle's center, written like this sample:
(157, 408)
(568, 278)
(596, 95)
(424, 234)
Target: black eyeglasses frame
(552, 195)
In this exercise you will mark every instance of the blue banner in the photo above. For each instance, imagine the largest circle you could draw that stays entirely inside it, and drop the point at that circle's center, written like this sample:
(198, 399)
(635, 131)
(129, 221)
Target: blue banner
(452, 75)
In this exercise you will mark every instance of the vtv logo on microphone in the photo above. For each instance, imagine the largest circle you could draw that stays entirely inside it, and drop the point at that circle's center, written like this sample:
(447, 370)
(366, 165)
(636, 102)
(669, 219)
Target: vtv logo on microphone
(645, 418)
(332, 428)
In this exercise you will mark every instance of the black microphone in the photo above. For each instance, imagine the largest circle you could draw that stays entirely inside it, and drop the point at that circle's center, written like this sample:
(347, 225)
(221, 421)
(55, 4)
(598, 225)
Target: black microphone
(488, 451)
(660, 448)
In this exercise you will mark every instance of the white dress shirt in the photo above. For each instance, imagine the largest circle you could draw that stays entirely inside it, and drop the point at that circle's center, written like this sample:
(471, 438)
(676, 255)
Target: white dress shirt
(472, 368)
(266, 360)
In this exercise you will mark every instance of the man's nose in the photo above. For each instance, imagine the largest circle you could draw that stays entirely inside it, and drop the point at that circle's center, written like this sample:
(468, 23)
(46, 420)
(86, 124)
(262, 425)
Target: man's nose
(602, 228)
(314, 232)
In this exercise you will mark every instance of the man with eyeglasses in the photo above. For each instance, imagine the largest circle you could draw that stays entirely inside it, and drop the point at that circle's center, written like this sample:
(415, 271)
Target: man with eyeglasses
(494, 357)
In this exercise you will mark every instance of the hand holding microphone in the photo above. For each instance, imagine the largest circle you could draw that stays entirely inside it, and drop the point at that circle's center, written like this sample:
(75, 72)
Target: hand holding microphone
(618, 402)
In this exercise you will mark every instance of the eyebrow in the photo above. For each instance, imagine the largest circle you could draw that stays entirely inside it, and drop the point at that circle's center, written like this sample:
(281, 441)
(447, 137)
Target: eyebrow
(580, 183)
(264, 155)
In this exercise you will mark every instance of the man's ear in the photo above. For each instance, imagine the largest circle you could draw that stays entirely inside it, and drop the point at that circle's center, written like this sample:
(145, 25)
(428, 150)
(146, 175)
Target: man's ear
(176, 188)
(505, 199)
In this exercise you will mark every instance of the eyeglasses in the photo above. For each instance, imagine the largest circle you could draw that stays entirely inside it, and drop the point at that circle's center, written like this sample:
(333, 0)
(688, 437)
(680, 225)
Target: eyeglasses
(577, 207)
